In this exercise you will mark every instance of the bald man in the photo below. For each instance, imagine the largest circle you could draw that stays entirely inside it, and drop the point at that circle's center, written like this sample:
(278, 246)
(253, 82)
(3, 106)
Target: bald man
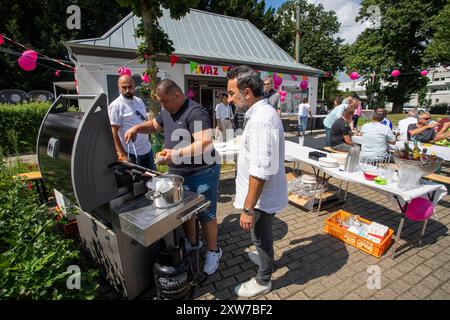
(125, 112)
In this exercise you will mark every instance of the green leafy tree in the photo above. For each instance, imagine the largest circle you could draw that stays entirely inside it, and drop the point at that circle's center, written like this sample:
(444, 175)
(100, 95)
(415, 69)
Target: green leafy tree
(319, 45)
(399, 43)
(42, 26)
(438, 52)
(156, 40)
(252, 10)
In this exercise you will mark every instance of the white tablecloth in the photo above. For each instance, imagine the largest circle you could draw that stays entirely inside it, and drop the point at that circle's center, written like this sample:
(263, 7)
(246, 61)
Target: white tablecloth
(300, 153)
(442, 152)
(228, 151)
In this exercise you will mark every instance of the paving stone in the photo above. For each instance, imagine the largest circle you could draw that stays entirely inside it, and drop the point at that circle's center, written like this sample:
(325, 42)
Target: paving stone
(399, 286)
(439, 295)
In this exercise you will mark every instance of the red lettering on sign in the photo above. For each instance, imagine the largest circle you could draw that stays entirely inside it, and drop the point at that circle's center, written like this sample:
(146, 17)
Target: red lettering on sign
(216, 72)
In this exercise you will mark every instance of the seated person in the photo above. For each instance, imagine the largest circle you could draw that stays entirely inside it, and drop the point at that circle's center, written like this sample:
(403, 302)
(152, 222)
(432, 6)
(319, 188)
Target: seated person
(404, 124)
(424, 131)
(387, 122)
(442, 122)
(340, 131)
(376, 137)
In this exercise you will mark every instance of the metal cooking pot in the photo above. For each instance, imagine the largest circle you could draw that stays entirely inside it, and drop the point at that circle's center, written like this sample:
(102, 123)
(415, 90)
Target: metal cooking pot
(166, 190)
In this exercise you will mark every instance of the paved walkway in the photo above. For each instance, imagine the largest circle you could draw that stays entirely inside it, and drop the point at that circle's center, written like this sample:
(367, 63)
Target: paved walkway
(313, 265)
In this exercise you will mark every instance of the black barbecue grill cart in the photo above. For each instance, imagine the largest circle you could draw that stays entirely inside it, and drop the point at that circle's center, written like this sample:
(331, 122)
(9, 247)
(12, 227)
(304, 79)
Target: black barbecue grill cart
(118, 225)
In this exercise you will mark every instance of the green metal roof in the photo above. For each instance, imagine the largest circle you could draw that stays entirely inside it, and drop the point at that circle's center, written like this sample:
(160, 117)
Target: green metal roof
(205, 35)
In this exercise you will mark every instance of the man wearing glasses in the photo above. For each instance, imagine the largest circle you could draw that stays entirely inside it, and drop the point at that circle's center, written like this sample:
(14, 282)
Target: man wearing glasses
(271, 94)
(425, 131)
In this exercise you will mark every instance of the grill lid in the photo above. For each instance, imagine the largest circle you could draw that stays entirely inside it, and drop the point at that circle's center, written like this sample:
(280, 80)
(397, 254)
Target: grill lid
(74, 150)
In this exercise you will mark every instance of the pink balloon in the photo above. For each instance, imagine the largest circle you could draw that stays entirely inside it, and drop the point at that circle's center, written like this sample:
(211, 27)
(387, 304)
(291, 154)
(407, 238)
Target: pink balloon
(304, 84)
(424, 73)
(395, 73)
(145, 78)
(190, 94)
(31, 54)
(282, 98)
(276, 87)
(282, 93)
(277, 80)
(354, 75)
(57, 73)
(1, 40)
(124, 71)
(27, 63)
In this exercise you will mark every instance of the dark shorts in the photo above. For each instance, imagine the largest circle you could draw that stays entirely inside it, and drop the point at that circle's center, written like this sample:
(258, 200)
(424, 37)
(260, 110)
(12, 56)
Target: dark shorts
(205, 182)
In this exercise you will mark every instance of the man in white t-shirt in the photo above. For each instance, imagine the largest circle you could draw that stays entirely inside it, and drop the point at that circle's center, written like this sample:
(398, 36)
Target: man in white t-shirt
(304, 112)
(376, 138)
(224, 116)
(125, 112)
(404, 124)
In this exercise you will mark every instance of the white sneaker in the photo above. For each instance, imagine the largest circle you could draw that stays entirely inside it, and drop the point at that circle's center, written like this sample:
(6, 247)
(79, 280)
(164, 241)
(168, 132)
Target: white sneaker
(212, 261)
(189, 247)
(254, 257)
(252, 288)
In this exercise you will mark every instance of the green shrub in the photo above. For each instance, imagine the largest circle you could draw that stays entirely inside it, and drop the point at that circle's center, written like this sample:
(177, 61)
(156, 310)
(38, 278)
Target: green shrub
(19, 126)
(33, 257)
(440, 108)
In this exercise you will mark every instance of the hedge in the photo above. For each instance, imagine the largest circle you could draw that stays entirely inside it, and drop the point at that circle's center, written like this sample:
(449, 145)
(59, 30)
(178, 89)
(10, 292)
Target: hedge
(440, 108)
(19, 126)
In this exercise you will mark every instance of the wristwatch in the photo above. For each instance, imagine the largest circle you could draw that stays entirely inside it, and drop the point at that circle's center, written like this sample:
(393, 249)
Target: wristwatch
(248, 211)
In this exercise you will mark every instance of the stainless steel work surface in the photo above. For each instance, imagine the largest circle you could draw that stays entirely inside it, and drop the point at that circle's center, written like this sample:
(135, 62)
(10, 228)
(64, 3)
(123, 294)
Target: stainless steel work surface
(142, 221)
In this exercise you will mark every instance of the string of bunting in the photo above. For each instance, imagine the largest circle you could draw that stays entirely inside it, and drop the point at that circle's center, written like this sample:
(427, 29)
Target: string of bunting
(28, 59)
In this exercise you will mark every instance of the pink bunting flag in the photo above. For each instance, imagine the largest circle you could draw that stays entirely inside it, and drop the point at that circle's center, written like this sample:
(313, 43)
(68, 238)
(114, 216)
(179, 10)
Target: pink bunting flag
(57, 73)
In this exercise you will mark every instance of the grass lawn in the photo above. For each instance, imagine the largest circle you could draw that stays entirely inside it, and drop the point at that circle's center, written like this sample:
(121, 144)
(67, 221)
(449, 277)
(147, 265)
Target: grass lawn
(395, 118)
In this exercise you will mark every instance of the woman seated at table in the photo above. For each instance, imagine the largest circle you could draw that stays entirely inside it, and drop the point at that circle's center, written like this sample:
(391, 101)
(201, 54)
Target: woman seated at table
(376, 137)
(424, 130)
(341, 131)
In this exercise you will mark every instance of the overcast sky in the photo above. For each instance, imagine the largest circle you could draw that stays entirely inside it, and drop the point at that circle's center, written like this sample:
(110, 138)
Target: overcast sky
(346, 11)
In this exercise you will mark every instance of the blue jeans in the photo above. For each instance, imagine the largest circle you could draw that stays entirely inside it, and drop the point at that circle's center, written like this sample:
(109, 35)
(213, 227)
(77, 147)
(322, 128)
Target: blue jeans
(302, 124)
(145, 160)
(205, 182)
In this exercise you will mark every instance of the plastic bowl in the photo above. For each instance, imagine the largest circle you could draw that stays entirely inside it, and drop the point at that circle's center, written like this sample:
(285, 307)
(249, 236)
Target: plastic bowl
(370, 175)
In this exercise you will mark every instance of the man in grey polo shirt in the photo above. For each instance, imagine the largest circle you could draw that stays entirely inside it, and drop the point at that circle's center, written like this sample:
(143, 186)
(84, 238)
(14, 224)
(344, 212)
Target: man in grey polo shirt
(261, 186)
(189, 153)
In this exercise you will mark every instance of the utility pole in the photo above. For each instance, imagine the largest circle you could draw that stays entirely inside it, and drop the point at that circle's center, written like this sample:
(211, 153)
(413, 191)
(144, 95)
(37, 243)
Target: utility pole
(297, 34)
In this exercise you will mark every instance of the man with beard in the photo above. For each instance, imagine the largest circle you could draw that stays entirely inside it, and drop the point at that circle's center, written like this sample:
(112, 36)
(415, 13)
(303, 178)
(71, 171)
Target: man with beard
(125, 112)
(261, 186)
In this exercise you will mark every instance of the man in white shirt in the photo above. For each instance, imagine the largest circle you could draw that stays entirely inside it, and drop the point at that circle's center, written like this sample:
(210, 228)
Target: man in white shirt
(125, 112)
(404, 124)
(304, 112)
(261, 187)
(224, 116)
